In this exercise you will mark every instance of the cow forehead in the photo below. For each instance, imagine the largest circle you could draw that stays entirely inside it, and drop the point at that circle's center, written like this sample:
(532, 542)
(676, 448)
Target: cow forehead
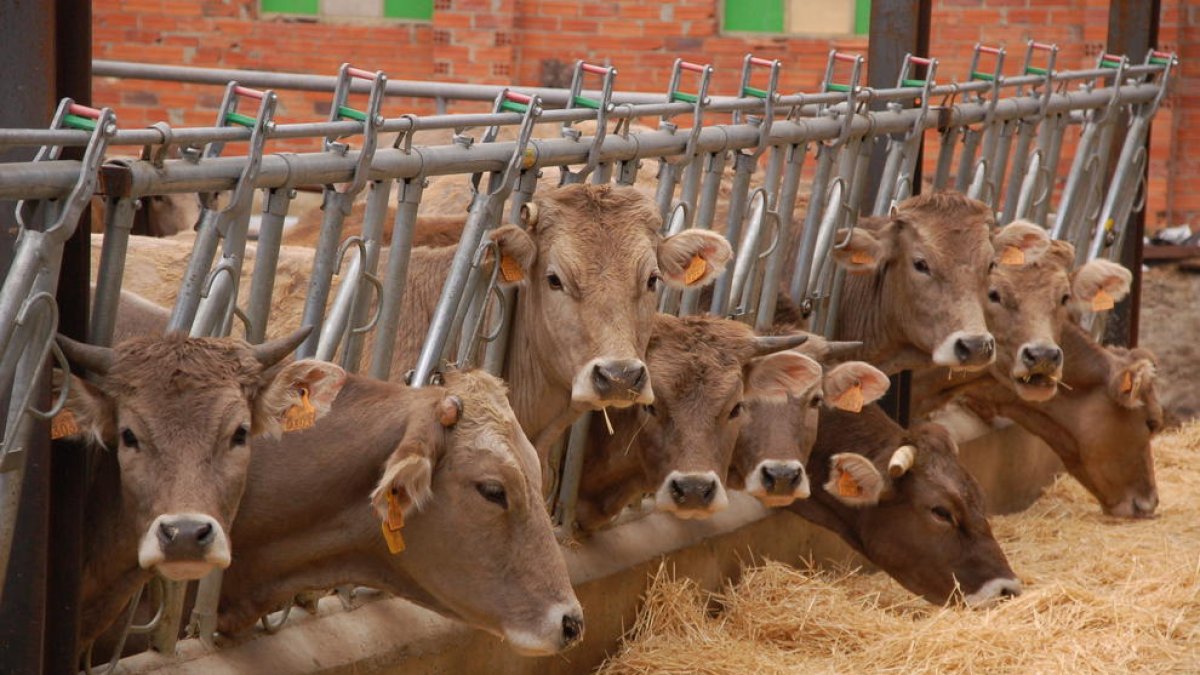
(175, 365)
(596, 220)
(197, 416)
(959, 248)
(487, 423)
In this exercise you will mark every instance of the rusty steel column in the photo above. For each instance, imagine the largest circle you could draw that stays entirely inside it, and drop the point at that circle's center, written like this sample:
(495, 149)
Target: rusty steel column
(1132, 31)
(898, 27)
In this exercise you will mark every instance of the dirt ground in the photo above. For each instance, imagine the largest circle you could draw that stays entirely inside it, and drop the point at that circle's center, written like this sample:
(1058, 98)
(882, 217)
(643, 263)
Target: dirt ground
(1101, 596)
(1170, 327)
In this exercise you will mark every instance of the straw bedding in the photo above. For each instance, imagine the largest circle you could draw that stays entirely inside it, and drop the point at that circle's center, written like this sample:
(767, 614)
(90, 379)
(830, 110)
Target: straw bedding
(1101, 595)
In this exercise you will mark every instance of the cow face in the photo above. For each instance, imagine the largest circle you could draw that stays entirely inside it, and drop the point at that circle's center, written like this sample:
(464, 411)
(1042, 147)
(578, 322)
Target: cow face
(773, 447)
(591, 262)
(706, 372)
(479, 539)
(180, 414)
(931, 259)
(919, 515)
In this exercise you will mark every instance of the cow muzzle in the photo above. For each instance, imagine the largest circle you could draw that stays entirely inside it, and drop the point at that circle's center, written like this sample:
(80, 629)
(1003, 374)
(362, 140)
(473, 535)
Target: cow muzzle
(612, 382)
(1135, 506)
(184, 546)
(692, 495)
(993, 591)
(561, 629)
(1038, 371)
(966, 351)
(778, 483)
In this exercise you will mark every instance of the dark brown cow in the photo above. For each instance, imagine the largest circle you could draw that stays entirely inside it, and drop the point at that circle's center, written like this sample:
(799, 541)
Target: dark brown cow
(705, 370)
(178, 415)
(478, 541)
(904, 501)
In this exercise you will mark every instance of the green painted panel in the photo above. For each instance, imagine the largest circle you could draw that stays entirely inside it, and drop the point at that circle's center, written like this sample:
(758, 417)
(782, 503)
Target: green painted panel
(756, 16)
(862, 17)
(408, 9)
(291, 6)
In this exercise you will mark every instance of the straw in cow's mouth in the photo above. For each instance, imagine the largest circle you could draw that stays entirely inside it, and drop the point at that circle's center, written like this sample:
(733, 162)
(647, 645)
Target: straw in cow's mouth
(1039, 380)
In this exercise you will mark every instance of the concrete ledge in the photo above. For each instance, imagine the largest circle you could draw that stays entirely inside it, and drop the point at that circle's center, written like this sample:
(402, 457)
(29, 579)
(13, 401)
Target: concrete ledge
(610, 571)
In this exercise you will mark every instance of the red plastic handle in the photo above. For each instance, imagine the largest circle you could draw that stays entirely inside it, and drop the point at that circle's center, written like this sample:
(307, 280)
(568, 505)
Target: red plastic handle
(920, 60)
(1044, 46)
(248, 92)
(766, 63)
(598, 70)
(360, 73)
(518, 97)
(990, 50)
(838, 56)
(1111, 57)
(83, 110)
(694, 67)
(1161, 55)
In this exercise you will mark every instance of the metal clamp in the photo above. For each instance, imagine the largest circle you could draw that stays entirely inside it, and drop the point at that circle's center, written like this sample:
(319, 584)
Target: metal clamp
(769, 97)
(852, 90)
(602, 107)
(371, 120)
(699, 102)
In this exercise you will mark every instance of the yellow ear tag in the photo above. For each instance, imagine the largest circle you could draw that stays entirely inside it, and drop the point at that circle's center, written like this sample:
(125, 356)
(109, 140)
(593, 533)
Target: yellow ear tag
(847, 486)
(392, 525)
(1011, 255)
(510, 269)
(1102, 301)
(858, 257)
(1127, 383)
(301, 415)
(695, 270)
(64, 424)
(851, 400)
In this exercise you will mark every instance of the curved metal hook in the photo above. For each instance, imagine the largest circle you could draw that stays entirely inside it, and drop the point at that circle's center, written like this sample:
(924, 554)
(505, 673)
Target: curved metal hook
(353, 240)
(272, 627)
(378, 285)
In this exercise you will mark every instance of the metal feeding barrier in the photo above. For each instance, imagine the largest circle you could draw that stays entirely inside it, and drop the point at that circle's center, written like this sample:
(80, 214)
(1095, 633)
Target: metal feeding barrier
(1000, 139)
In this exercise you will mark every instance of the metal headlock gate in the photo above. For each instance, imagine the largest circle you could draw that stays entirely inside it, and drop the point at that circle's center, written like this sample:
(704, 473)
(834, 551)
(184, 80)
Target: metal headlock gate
(1004, 134)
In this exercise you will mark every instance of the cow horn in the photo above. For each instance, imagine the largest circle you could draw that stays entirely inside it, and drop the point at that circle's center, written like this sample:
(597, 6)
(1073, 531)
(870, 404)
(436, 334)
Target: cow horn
(769, 344)
(901, 461)
(270, 353)
(529, 214)
(92, 358)
(838, 349)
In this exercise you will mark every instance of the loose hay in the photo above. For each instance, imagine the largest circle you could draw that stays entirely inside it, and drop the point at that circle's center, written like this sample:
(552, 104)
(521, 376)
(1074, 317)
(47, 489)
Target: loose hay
(1101, 595)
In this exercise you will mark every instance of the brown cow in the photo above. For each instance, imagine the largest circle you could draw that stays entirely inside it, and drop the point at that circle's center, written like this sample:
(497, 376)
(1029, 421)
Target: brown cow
(178, 414)
(772, 449)
(705, 370)
(478, 541)
(904, 501)
(918, 280)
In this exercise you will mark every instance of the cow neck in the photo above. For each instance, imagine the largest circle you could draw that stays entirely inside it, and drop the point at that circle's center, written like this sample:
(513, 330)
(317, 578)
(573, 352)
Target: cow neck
(1040, 419)
(870, 313)
(613, 462)
(111, 574)
(543, 408)
(1085, 363)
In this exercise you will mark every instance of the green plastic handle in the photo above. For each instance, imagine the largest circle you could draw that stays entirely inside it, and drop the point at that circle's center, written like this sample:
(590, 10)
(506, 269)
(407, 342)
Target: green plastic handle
(79, 122)
(754, 91)
(513, 106)
(238, 118)
(585, 102)
(684, 96)
(914, 83)
(976, 75)
(351, 113)
(834, 86)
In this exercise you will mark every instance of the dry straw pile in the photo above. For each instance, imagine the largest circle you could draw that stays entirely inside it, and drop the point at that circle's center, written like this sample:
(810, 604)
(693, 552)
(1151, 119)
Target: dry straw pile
(1101, 595)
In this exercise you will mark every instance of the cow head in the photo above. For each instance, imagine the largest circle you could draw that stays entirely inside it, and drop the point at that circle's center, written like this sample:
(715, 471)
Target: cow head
(479, 539)
(591, 260)
(930, 260)
(1030, 303)
(180, 414)
(773, 447)
(913, 510)
(706, 372)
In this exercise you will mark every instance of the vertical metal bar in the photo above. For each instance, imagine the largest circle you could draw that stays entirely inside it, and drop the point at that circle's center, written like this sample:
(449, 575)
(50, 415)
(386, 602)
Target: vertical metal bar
(203, 250)
(572, 470)
(337, 205)
(714, 169)
(118, 216)
(408, 198)
(1050, 138)
(266, 259)
(372, 233)
(743, 166)
(773, 273)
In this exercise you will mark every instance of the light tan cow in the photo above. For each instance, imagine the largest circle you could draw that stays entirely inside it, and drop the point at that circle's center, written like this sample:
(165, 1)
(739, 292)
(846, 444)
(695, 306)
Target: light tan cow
(177, 416)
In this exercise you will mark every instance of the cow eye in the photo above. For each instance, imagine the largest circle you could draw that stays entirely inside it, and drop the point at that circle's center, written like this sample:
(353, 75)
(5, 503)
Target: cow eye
(994, 296)
(921, 266)
(129, 439)
(816, 401)
(240, 436)
(943, 514)
(737, 411)
(652, 283)
(1065, 298)
(650, 410)
(554, 282)
(493, 492)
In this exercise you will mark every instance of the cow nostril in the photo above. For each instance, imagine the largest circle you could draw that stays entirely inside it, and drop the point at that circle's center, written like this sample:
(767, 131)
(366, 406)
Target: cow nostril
(989, 346)
(1056, 356)
(1009, 592)
(167, 532)
(961, 351)
(639, 377)
(205, 534)
(709, 492)
(768, 478)
(1028, 357)
(677, 492)
(572, 628)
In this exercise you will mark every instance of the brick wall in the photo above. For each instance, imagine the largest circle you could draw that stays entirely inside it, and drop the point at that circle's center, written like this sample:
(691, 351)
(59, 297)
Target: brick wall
(534, 42)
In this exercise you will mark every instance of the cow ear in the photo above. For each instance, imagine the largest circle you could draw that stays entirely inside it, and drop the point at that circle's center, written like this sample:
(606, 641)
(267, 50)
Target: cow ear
(773, 378)
(88, 415)
(862, 253)
(1100, 284)
(854, 480)
(854, 384)
(517, 253)
(407, 482)
(1128, 385)
(299, 394)
(1020, 242)
(693, 258)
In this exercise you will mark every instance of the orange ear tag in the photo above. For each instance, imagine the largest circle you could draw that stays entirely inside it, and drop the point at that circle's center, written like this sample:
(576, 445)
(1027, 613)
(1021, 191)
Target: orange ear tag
(847, 486)
(695, 270)
(1011, 255)
(859, 257)
(510, 269)
(393, 524)
(851, 400)
(301, 415)
(1127, 383)
(64, 424)
(1102, 301)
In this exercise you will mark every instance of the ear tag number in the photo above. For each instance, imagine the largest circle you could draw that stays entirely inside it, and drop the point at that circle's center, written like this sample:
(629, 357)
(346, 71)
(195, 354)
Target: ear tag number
(510, 269)
(1102, 301)
(1012, 256)
(851, 400)
(847, 486)
(393, 524)
(63, 425)
(301, 415)
(695, 270)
